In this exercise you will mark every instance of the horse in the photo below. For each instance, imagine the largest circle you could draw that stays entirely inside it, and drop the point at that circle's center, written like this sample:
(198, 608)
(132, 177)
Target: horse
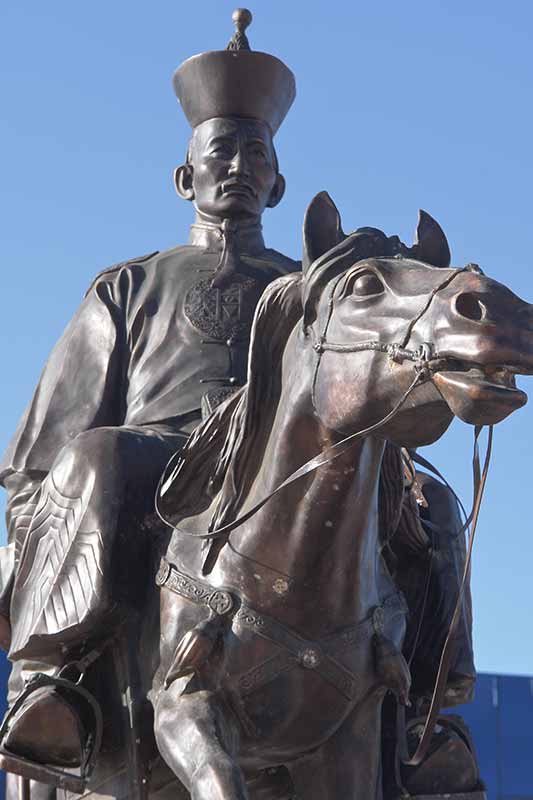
(281, 627)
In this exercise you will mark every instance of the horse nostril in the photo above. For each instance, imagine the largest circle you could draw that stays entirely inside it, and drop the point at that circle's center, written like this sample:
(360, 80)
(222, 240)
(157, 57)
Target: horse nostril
(468, 305)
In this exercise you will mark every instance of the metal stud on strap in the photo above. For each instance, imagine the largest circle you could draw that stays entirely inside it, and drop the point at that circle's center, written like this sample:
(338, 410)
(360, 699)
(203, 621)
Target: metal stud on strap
(310, 658)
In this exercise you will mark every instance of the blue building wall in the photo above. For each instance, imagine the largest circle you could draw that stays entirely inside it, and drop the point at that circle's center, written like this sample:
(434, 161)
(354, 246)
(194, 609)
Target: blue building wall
(501, 720)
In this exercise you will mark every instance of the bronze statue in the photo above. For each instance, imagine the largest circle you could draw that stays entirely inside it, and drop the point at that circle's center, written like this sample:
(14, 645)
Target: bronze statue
(261, 615)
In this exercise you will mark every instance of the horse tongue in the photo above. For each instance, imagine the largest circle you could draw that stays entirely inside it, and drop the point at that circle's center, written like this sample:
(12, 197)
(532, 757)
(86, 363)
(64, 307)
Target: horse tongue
(475, 400)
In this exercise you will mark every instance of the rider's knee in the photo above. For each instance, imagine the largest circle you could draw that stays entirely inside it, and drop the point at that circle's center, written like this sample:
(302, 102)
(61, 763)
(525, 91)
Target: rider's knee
(97, 449)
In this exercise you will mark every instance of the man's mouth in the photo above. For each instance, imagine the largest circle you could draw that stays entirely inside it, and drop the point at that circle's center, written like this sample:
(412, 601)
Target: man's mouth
(233, 186)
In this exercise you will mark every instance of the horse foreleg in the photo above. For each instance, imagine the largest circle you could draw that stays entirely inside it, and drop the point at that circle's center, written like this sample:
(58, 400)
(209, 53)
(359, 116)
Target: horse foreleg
(348, 766)
(199, 743)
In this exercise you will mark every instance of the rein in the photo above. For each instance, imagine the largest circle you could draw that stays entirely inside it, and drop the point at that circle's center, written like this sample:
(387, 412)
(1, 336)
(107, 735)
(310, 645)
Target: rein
(325, 457)
(480, 479)
(426, 361)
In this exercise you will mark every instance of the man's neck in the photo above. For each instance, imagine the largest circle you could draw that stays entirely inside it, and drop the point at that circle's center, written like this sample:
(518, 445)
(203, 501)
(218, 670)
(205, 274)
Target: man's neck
(208, 235)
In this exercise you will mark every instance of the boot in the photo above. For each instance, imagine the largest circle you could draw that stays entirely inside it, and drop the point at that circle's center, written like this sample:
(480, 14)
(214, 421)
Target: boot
(450, 766)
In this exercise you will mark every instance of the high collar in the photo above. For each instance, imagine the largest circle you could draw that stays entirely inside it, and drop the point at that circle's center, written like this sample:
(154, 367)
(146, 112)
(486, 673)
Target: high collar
(209, 236)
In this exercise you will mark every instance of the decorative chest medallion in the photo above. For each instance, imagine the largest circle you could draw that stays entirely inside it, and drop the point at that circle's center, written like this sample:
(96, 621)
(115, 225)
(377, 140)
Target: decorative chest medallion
(224, 314)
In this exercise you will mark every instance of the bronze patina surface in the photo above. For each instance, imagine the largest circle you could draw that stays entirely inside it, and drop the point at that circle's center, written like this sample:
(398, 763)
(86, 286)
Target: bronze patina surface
(221, 580)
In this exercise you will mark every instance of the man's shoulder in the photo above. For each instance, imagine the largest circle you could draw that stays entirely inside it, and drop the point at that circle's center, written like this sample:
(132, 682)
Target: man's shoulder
(146, 262)
(115, 269)
(157, 262)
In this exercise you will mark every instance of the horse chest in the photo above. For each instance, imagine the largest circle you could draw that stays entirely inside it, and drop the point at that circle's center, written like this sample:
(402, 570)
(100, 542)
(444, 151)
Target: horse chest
(289, 692)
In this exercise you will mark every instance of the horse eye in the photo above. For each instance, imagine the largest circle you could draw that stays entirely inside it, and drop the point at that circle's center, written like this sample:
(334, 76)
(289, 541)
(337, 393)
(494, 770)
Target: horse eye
(367, 284)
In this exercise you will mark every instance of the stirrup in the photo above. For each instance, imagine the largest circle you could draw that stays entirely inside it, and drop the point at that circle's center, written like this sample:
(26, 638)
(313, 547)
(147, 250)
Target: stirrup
(457, 726)
(54, 776)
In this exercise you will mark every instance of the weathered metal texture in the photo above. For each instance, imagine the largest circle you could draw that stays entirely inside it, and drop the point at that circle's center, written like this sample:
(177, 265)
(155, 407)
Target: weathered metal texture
(260, 667)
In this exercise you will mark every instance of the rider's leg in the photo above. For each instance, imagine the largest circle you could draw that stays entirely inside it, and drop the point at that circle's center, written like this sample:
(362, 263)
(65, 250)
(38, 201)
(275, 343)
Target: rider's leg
(101, 485)
(198, 740)
(75, 562)
(348, 766)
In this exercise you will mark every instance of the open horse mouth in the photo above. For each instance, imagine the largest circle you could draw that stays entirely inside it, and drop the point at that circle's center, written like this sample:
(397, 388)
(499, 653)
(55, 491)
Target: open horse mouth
(478, 394)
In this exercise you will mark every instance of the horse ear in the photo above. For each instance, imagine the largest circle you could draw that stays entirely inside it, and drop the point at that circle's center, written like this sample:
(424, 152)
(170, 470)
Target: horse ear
(322, 228)
(431, 245)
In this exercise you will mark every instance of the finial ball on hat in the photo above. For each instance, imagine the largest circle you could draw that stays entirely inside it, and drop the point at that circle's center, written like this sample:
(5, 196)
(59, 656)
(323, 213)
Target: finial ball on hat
(241, 18)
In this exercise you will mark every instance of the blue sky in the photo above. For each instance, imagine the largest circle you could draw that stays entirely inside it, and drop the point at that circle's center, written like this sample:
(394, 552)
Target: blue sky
(399, 106)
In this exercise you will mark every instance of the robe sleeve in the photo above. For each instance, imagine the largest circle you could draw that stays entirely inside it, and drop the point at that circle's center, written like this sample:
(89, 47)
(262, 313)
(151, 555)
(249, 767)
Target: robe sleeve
(81, 386)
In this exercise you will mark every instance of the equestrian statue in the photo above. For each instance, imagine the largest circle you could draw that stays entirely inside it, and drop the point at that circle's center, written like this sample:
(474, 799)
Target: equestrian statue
(220, 580)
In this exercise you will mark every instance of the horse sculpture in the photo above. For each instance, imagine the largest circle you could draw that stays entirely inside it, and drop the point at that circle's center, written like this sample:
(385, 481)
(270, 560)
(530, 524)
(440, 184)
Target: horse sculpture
(280, 641)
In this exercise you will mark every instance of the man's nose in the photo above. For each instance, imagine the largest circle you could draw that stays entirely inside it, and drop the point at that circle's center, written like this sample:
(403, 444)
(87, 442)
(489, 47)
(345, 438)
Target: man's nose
(239, 163)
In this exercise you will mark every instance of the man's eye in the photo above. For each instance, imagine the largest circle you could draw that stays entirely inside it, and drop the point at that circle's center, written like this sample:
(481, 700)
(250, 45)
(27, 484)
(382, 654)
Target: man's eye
(222, 152)
(367, 284)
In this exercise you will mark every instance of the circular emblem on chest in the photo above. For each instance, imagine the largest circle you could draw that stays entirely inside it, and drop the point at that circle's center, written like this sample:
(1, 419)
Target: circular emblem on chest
(224, 314)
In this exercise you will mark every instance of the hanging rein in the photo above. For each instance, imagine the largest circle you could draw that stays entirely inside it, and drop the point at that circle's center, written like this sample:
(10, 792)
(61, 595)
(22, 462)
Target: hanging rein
(426, 362)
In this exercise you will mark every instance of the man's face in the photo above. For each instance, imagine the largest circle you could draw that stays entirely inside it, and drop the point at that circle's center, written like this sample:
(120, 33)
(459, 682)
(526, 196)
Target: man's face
(233, 165)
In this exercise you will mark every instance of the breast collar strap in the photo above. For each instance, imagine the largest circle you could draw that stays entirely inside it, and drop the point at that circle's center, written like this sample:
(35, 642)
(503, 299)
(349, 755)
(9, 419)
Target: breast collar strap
(293, 649)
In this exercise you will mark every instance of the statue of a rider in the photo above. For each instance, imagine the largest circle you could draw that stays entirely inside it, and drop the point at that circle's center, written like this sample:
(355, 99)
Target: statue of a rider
(157, 343)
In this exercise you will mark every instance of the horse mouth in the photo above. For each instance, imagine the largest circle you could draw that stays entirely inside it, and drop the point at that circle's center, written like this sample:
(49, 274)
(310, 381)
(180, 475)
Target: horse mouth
(477, 394)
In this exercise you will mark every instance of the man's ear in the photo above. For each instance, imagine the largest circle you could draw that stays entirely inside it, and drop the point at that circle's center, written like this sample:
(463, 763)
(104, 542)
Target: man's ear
(278, 190)
(183, 181)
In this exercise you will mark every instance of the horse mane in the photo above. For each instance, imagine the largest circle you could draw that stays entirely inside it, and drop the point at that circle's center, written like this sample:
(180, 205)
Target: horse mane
(222, 456)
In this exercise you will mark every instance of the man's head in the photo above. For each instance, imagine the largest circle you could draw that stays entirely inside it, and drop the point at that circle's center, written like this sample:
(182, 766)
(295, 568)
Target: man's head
(231, 170)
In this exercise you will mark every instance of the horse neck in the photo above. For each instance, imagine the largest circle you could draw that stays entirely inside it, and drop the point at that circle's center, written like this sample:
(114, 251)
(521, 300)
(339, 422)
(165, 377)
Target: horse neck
(321, 533)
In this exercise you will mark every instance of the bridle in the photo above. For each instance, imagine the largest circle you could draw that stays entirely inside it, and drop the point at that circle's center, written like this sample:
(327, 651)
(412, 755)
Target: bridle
(426, 361)
(425, 358)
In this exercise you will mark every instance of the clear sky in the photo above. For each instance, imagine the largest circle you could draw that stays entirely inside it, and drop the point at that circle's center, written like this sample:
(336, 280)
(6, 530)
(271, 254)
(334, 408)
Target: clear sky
(399, 106)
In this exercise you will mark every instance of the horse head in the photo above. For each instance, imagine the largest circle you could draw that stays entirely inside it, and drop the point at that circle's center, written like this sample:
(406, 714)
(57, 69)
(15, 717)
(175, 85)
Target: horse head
(373, 308)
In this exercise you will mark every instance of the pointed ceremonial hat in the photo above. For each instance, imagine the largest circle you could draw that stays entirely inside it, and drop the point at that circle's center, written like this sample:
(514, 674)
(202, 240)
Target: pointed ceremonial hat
(236, 82)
